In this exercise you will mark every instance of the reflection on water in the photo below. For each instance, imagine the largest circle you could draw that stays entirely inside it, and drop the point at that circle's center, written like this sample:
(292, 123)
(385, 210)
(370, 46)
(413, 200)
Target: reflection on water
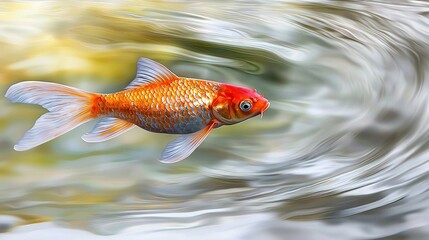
(342, 149)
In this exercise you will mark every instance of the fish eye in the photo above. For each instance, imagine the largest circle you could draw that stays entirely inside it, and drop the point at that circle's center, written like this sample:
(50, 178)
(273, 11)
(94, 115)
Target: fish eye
(245, 105)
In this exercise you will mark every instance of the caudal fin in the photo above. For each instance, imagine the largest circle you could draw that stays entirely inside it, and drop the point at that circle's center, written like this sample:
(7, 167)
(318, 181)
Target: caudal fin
(68, 108)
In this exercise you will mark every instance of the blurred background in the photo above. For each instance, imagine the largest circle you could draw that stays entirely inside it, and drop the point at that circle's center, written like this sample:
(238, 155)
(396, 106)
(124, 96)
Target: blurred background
(342, 153)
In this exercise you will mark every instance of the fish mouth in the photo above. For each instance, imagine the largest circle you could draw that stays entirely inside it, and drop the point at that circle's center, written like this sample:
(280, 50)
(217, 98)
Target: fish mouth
(264, 108)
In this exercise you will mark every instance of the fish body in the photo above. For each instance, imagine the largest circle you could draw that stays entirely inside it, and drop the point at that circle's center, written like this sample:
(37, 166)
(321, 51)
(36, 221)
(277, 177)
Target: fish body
(156, 100)
(179, 106)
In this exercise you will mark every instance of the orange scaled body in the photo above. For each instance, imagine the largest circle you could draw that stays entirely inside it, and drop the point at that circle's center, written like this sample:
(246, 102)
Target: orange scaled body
(176, 106)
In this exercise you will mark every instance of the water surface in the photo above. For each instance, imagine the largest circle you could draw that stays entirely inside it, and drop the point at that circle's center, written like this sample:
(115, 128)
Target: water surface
(342, 153)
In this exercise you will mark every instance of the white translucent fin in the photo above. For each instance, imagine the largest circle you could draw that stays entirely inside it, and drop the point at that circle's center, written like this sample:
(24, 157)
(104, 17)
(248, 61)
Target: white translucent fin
(149, 71)
(69, 107)
(182, 147)
(107, 128)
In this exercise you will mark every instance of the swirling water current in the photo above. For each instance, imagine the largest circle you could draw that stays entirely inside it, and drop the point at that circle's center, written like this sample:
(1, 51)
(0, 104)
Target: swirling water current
(342, 153)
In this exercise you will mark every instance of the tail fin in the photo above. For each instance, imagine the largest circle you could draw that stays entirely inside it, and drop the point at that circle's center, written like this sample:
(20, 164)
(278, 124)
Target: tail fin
(68, 108)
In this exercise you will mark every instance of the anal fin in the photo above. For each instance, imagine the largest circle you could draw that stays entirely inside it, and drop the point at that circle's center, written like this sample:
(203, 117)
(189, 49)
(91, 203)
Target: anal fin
(182, 147)
(107, 128)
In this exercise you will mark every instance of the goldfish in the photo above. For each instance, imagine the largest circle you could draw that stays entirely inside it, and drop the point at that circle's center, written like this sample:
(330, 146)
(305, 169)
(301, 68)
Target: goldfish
(156, 100)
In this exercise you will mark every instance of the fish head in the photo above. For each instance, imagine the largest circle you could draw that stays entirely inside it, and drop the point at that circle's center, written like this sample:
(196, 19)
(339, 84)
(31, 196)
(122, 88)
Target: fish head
(235, 104)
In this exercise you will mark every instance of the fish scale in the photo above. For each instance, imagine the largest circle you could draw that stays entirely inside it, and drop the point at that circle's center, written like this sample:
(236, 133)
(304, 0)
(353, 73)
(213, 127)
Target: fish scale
(163, 107)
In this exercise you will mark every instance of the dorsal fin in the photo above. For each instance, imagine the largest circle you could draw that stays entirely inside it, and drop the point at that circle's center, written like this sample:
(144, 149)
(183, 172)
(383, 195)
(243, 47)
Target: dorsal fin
(149, 71)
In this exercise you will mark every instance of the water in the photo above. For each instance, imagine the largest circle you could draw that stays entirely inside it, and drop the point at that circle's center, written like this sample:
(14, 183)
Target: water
(342, 153)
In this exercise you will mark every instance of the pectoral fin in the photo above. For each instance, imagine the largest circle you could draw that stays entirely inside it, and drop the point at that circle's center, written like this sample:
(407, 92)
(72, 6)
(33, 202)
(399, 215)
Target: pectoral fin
(183, 146)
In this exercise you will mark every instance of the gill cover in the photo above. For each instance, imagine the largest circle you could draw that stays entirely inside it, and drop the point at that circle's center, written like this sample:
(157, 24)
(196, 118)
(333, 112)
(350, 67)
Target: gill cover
(222, 110)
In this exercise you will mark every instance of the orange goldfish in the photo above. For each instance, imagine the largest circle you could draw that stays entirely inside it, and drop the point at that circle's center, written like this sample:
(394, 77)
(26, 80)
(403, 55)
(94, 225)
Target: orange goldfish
(156, 100)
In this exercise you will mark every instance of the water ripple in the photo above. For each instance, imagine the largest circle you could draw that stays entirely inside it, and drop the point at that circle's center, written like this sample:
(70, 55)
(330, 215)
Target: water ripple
(344, 143)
